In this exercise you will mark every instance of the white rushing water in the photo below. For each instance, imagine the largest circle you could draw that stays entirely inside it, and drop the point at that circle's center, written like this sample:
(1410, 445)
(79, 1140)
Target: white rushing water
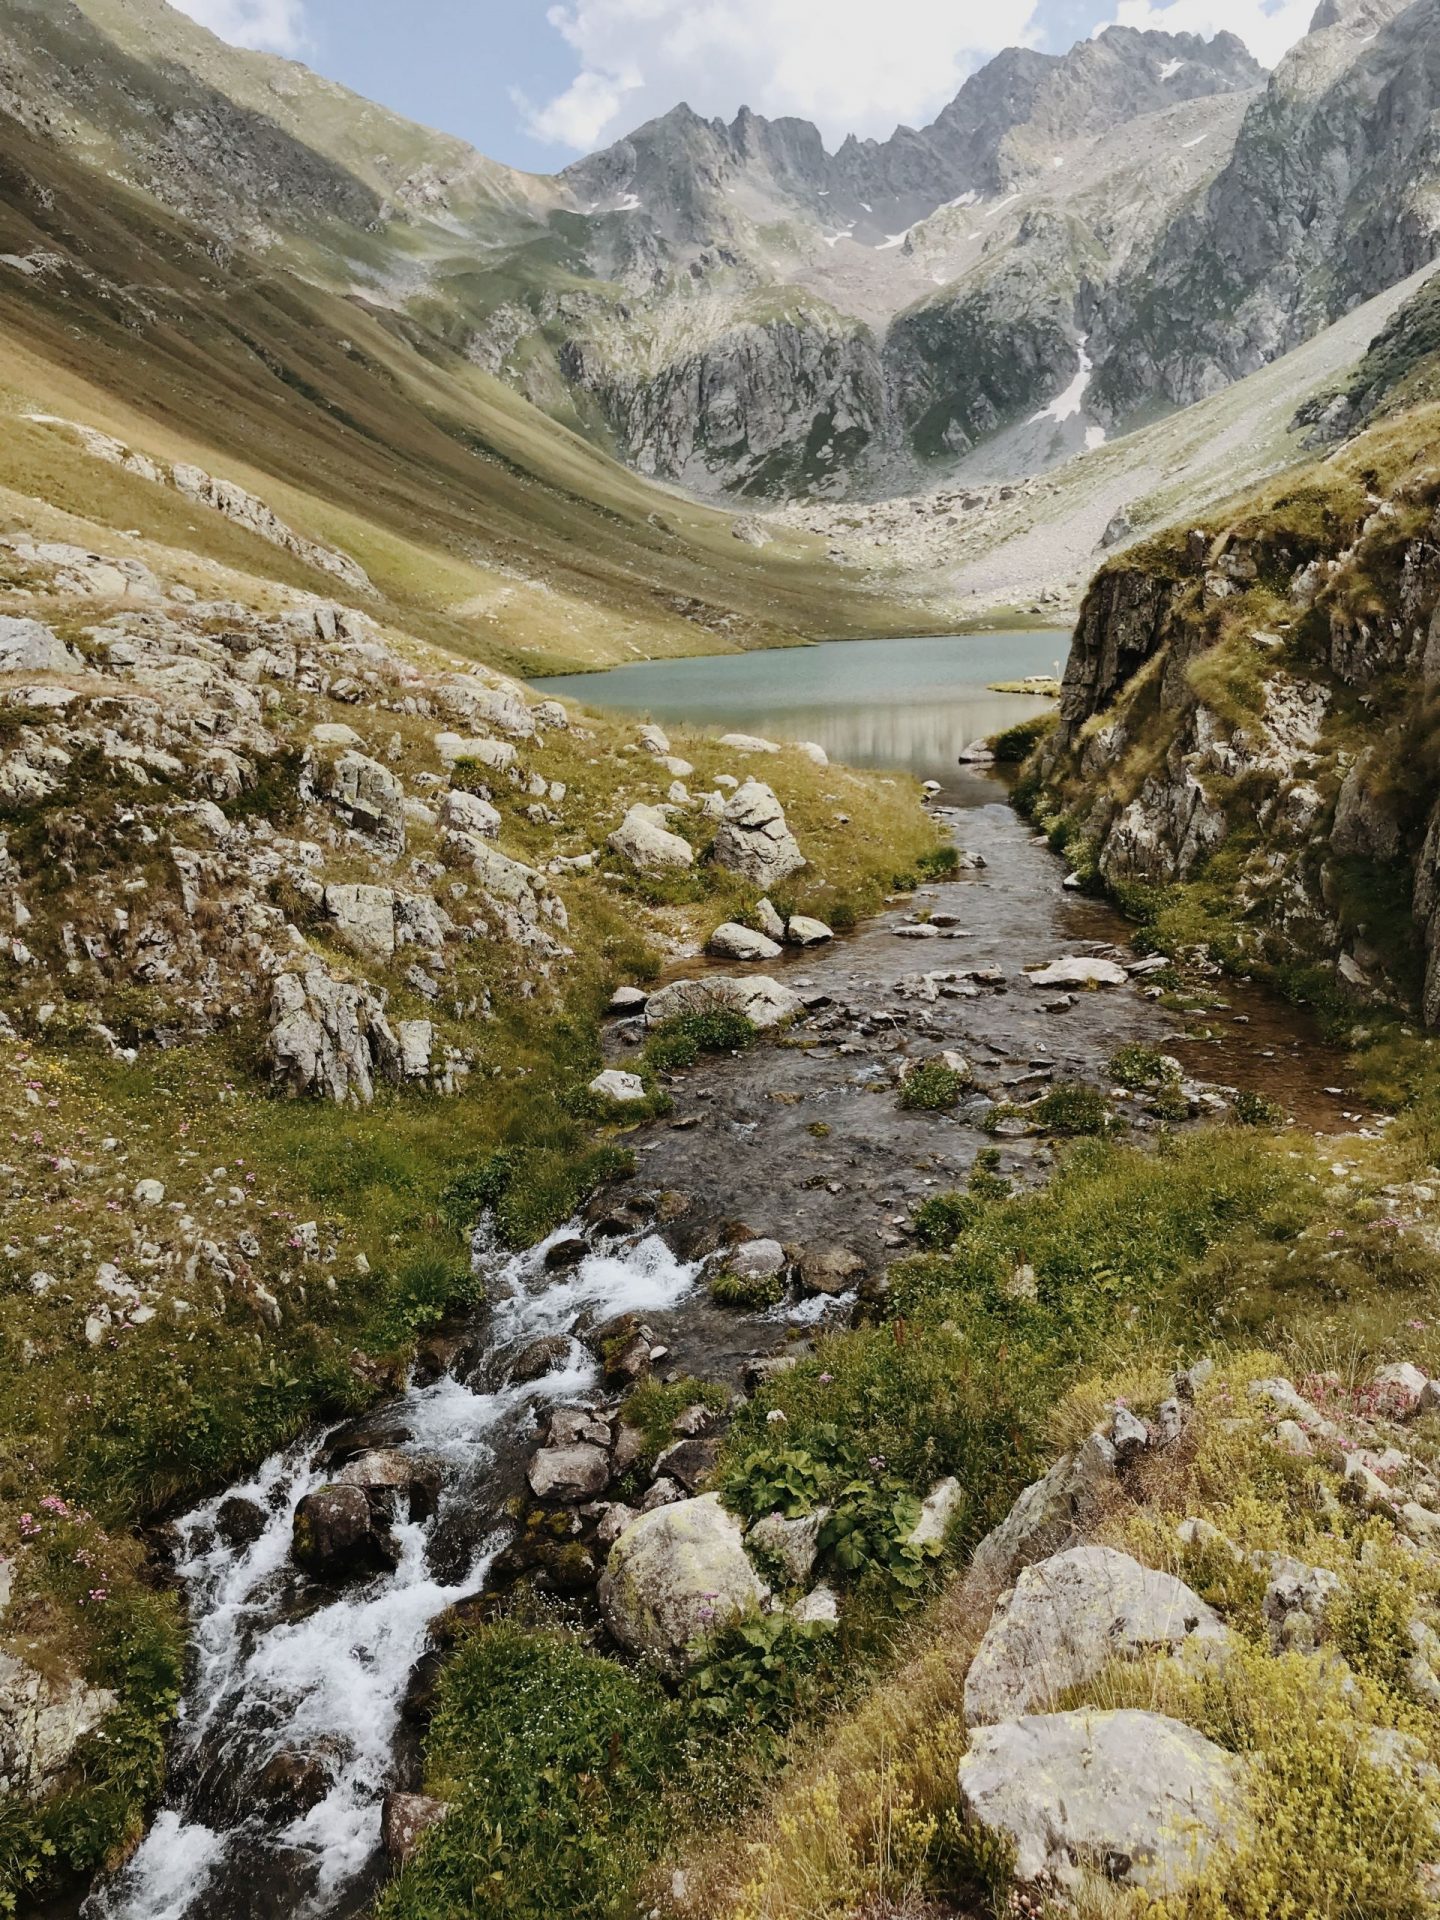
(283, 1668)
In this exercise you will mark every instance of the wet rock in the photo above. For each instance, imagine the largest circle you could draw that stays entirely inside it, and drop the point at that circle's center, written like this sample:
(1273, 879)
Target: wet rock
(240, 1522)
(734, 942)
(291, 1783)
(367, 1433)
(1066, 1618)
(569, 1472)
(566, 1254)
(689, 1462)
(757, 1260)
(801, 931)
(336, 1535)
(405, 1819)
(413, 1478)
(645, 840)
(1076, 971)
(1137, 1798)
(675, 1574)
(540, 1357)
(578, 1426)
(754, 840)
(831, 1270)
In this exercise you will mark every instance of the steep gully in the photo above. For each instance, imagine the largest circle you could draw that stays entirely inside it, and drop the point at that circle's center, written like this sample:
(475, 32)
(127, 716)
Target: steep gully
(318, 1688)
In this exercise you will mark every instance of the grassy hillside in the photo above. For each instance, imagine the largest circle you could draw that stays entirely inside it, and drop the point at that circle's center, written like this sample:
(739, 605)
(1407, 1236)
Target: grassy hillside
(484, 526)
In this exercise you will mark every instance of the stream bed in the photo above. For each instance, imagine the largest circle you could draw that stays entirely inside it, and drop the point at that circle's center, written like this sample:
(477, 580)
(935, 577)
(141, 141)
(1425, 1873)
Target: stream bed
(304, 1699)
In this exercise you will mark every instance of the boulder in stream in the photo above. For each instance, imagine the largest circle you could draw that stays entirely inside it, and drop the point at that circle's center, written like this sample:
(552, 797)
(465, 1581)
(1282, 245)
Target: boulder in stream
(405, 1818)
(336, 1535)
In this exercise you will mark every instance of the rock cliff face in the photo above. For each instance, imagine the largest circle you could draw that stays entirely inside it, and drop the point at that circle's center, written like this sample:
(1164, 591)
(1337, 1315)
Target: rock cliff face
(1247, 717)
(1332, 194)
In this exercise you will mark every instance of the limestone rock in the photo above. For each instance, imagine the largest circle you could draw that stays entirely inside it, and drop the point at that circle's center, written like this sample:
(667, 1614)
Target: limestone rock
(734, 942)
(801, 931)
(462, 812)
(1066, 1618)
(43, 1719)
(766, 918)
(27, 646)
(754, 840)
(748, 743)
(364, 917)
(790, 1544)
(622, 1088)
(369, 796)
(1138, 1798)
(386, 1470)
(676, 1573)
(1076, 972)
(645, 840)
(328, 1037)
(831, 1270)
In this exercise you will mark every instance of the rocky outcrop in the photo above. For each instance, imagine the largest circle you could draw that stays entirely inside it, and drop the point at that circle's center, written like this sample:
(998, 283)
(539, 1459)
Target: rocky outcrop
(329, 1036)
(645, 840)
(43, 1721)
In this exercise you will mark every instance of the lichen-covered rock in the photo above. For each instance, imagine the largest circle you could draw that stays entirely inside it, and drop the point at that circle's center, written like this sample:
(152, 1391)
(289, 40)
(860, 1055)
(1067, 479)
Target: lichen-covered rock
(414, 1478)
(336, 1535)
(734, 942)
(675, 1574)
(1066, 1618)
(369, 796)
(754, 839)
(364, 917)
(575, 1472)
(28, 646)
(1136, 1798)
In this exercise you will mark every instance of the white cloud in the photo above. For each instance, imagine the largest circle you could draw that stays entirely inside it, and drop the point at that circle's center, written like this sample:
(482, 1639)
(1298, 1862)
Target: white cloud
(852, 66)
(1268, 27)
(276, 25)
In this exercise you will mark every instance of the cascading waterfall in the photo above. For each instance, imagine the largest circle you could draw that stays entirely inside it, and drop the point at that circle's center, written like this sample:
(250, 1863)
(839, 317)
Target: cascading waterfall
(282, 1666)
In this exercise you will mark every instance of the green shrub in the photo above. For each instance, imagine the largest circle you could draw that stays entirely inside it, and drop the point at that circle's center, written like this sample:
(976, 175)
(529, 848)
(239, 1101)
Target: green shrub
(940, 863)
(531, 1190)
(1019, 742)
(1074, 1108)
(753, 1292)
(940, 1220)
(933, 1088)
(679, 1043)
(1140, 1068)
(553, 1762)
(652, 1407)
(759, 1675)
(1255, 1110)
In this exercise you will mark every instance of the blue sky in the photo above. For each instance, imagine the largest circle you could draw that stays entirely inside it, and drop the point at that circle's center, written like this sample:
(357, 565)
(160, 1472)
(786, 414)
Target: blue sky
(534, 82)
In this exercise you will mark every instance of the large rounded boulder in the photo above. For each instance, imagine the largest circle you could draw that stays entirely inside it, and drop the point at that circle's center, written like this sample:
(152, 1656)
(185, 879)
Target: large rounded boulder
(675, 1574)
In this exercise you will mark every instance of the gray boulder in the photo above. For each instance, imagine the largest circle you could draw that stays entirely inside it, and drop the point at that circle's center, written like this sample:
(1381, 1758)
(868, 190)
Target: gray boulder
(644, 839)
(1050, 1515)
(734, 942)
(1136, 1798)
(462, 812)
(576, 1472)
(676, 1573)
(43, 1719)
(754, 840)
(336, 1535)
(26, 646)
(1067, 1618)
(763, 1001)
(364, 918)
(328, 1037)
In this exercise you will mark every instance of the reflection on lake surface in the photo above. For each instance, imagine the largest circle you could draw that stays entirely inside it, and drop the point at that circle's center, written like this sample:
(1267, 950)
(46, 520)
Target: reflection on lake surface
(909, 704)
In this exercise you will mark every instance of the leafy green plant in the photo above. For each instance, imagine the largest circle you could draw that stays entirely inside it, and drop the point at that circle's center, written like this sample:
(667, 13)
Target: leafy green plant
(1141, 1068)
(652, 1407)
(1255, 1110)
(759, 1675)
(869, 1532)
(789, 1483)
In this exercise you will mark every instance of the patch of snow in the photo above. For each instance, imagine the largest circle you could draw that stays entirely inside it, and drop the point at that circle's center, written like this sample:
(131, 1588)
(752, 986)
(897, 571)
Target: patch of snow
(1072, 401)
(1095, 438)
(895, 240)
(1058, 162)
(628, 203)
(1170, 69)
(1002, 206)
(965, 200)
(1198, 138)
